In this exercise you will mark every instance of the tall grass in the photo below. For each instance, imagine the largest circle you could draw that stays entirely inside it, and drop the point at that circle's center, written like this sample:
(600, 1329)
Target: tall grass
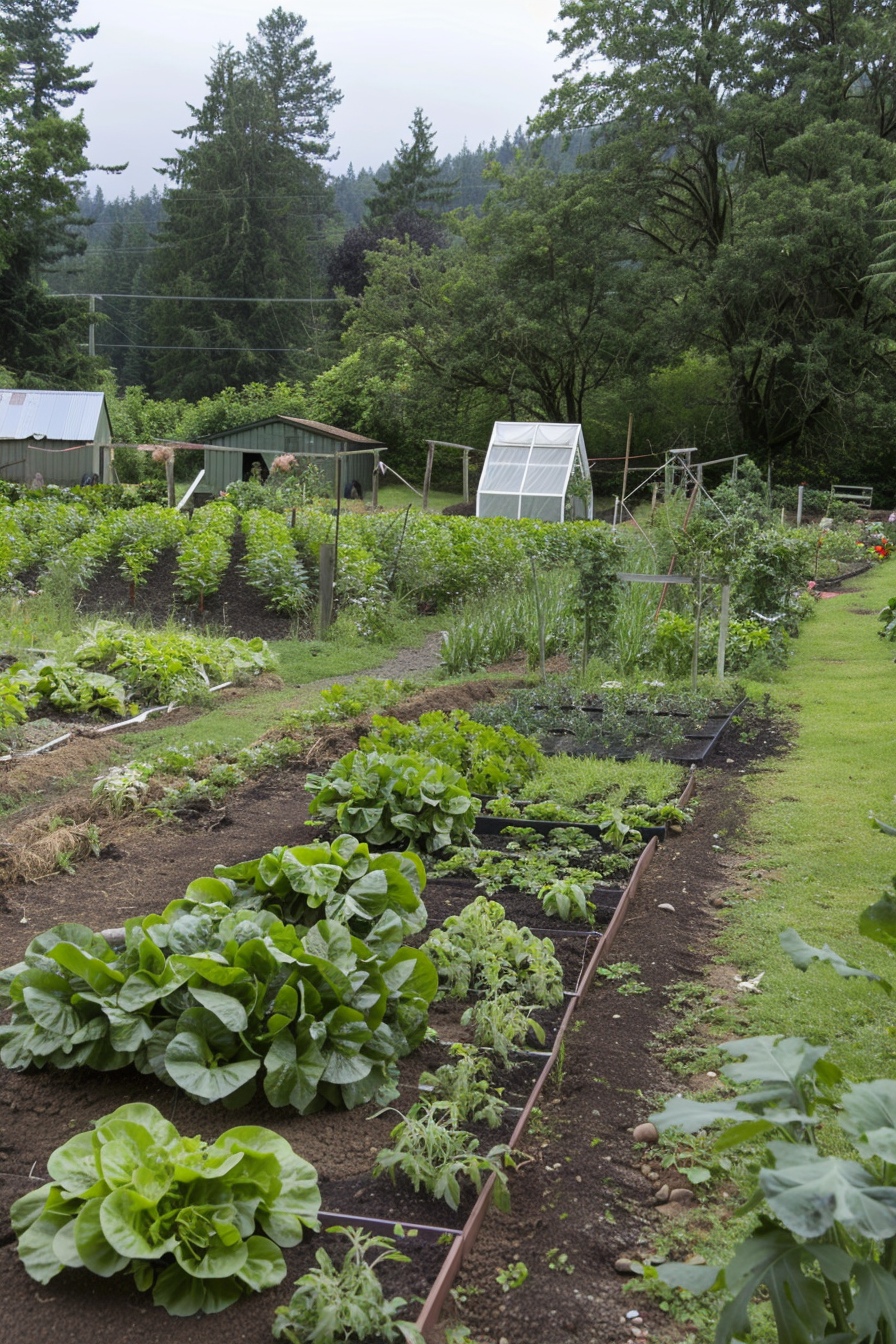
(573, 780)
(487, 630)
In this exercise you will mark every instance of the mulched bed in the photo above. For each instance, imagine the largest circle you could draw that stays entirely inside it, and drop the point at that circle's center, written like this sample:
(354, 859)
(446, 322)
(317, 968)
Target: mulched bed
(41, 1109)
(235, 609)
(585, 1194)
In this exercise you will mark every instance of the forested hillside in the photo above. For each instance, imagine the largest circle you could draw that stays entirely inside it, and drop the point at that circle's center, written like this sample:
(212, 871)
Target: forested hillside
(696, 229)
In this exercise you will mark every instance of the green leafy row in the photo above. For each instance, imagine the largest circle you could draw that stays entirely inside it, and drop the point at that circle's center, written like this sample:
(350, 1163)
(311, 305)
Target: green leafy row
(493, 760)
(204, 552)
(169, 664)
(200, 1223)
(340, 881)
(210, 996)
(480, 949)
(383, 797)
(272, 565)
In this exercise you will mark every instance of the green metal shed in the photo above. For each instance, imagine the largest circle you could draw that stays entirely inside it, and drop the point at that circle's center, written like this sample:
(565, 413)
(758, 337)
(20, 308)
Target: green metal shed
(231, 454)
(62, 435)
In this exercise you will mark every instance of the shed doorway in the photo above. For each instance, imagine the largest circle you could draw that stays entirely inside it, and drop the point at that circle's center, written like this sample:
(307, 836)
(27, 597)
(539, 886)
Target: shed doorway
(254, 465)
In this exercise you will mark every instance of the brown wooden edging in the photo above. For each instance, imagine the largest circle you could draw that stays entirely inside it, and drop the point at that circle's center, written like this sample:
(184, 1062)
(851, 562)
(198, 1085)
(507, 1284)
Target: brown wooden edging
(463, 1244)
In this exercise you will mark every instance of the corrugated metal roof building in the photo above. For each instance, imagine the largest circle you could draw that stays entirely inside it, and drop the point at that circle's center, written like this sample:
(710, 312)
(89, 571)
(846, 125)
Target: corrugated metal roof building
(59, 434)
(232, 453)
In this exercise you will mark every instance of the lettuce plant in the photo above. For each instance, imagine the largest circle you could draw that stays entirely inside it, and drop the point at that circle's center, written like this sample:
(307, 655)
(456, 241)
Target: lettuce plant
(199, 1223)
(213, 999)
(384, 797)
(491, 759)
(341, 881)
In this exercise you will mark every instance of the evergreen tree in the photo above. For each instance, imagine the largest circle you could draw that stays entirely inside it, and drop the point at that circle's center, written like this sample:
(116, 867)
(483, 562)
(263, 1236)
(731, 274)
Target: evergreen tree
(42, 166)
(301, 90)
(415, 180)
(246, 218)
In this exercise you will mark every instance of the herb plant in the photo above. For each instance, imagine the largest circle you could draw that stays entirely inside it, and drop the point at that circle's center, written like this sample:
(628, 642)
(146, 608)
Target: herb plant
(383, 797)
(565, 899)
(435, 1156)
(501, 1022)
(336, 1306)
(479, 948)
(465, 1086)
(201, 1224)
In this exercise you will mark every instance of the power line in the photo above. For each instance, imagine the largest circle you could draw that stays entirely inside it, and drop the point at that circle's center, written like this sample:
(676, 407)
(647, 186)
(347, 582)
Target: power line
(244, 349)
(188, 298)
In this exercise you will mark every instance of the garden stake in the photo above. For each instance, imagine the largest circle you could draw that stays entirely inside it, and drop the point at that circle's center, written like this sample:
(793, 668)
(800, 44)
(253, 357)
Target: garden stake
(538, 608)
(698, 613)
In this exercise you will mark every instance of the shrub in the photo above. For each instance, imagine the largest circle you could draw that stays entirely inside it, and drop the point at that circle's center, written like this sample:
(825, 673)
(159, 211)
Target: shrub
(200, 1223)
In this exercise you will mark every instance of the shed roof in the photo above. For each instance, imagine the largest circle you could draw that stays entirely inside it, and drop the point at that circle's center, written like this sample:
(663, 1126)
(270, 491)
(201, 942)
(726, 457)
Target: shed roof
(312, 426)
(71, 417)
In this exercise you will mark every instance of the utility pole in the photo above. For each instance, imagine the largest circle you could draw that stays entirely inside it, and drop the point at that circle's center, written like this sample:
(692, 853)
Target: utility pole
(91, 334)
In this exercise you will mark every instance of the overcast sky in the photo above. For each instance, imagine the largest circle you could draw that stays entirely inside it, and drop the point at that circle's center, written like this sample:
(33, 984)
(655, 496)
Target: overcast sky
(476, 67)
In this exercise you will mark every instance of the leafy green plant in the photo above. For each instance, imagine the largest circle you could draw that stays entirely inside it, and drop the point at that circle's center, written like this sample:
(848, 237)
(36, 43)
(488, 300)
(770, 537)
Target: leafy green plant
(204, 552)
(334, 1306)
(465, 1085)
(133, 1196)
(74, 690)
(514, 1276)
(479, 948)
(341, 881)
(625, 975)
(824, 1246)
(17, 696)
(565, 899)
(272, 565)
(436, 1156)
(382, 797)
(211, 998)
(145, 533)
(169, 664)
(501, 1022)
(122, 788)
(559, 1261)
(491, 759)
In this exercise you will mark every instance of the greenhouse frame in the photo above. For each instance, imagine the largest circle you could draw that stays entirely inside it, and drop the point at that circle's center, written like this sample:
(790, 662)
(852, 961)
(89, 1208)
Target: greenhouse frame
(529, 471)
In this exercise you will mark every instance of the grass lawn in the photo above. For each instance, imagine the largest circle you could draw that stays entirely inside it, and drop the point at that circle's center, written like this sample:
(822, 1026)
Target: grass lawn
(809, 827)
(398, 496)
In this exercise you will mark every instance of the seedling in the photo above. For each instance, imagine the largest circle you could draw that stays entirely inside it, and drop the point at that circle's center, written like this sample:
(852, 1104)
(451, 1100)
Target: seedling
(514, 1276)
(559, 1260)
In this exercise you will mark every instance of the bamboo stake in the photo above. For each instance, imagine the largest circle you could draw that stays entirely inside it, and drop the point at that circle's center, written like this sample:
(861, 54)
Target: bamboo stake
(628, 449)
(540, 611)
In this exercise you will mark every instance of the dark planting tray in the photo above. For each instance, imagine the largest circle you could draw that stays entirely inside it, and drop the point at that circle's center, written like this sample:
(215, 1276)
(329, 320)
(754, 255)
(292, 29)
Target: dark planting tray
(495, 825)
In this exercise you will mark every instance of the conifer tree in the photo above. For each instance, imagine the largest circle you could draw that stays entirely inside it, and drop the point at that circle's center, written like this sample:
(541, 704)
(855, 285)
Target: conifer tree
(42, 165)
(414, 182)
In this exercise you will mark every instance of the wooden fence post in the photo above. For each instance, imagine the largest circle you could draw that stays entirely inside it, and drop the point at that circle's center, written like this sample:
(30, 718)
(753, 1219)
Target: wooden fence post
(540, 612)
(430, 453)
(169, 479)
(375, 488)
(466, 475)
(327, 574)
(699, 609)
(723, 630)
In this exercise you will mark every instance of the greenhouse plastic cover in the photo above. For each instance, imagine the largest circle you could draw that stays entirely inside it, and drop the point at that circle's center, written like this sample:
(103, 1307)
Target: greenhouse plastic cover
(527, 471)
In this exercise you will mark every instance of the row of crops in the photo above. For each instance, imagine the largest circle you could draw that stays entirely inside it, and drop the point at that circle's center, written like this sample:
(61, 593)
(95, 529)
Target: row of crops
(303, 978)
(439, 560)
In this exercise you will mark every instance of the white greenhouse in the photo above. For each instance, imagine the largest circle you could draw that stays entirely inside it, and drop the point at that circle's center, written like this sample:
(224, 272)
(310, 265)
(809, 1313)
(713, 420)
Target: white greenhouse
(535, 471)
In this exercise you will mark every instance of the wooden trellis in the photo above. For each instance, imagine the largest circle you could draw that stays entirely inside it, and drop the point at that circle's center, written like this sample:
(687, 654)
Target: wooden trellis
(698, 581)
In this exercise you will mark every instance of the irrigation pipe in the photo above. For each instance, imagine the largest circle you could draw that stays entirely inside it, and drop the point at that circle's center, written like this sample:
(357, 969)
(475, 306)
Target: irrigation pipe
(106, 728)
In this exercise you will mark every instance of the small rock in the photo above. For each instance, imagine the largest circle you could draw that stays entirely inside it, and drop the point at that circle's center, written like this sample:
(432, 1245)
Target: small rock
(681, 1197)
(664, 905)
(729, 760)
(645, 1133)
(623, 1266)
(631, 1315)
(662, 1195)
(695, 1260)
(645, 1169)
(718, 902)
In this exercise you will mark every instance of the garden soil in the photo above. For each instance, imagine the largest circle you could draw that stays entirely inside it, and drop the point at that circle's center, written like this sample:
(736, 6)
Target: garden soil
(607, 1062)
